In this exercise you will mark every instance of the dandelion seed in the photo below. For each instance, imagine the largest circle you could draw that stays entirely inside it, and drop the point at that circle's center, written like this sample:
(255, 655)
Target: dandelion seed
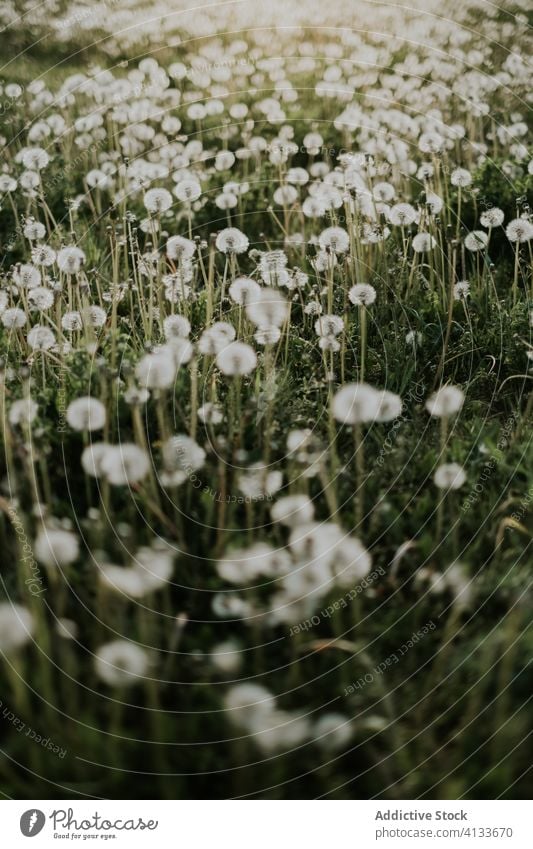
(157, 200)
(362, 295)
(449, 476)
(70, 260)
(356, 403)
(232, 241)
(16, 627)
(41, 338)
(292, 510)
(237, 358)
(121, 663)
(23, 412)
(446, 402)
(56, 547)
(519, 230)
(86, 413)
(423, 243)
(477, 240)
(124, 464)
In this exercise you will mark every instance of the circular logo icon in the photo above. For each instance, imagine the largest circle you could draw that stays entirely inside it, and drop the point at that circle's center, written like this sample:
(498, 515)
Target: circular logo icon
(32, 822)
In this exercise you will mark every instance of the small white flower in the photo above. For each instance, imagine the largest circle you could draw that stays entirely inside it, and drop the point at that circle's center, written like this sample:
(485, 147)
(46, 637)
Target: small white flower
(449, 476)
(14, 318)
(445, 402)
(356, 403)
(475, 241)
(86, 413)
(461, 178)
(70, 260)
(16, 626)
(519, 230)
(237, 358)
(157, 200)
(156, 371)
(292, 510)
(362, 295)
(23, 412)
(56, 547)
(124, 464)
(232, 241)
(423, 242)
(121, 663)
(41, 338)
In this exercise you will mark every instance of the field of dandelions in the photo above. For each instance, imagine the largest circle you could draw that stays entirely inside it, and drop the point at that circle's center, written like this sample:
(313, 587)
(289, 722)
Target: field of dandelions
(266, 488)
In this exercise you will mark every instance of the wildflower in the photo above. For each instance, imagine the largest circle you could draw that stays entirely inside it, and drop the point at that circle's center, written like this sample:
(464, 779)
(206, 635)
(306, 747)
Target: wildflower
(477, 240)
(180, 248)
(362, 295)
(121, 663)
(181, 457)
(86, 413)
(16, 627)
(461, 178)
(243, 290)
(23, 412)
(267, 309)
(413, 338)
(124, 464)
(390, 406)
(237, 358)
(246, 700)
(492, 217)
(56, 547)
(70, 260)
(157, 200)
(356, 403)
(43, 256)
(461, 290)
(176, 326)
(34, 230)
(332, 731)
(27, 276)
(519, 230)
(226, 657)
(41, 338)
(449, 476)
(92, 457)
(71, 321)
(334, 239)
(95, 315)
(41, 298)
(445, 402)
(188, 191)
(329, 325)
(257, 481)
(14, 318)
(156, 371)
(232, 241)
(423, 242)
(35, 158)
(402, 215)
(292, 510)
(210, 413)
